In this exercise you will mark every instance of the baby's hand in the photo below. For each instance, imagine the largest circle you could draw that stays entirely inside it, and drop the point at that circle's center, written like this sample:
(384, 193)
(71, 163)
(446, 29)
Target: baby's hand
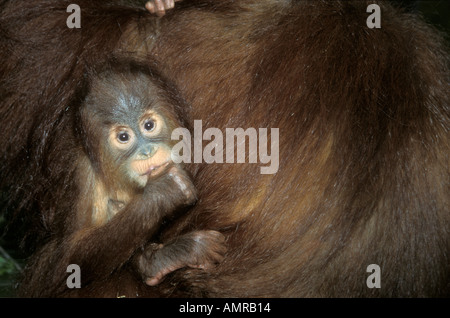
(159, 7)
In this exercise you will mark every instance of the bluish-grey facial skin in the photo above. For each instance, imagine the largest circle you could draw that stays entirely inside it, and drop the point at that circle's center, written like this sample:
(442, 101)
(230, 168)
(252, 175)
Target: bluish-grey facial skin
(135, 131)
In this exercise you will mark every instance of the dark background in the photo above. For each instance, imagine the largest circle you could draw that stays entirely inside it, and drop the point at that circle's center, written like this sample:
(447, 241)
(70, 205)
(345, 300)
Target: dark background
(435, 12)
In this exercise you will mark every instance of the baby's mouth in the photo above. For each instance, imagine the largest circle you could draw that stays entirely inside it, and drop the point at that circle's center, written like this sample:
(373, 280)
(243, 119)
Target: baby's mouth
(155, 170)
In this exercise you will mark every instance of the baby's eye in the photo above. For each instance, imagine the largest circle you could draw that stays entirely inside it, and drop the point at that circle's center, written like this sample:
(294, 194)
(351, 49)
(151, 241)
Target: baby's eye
(123, 137)
(149, 125)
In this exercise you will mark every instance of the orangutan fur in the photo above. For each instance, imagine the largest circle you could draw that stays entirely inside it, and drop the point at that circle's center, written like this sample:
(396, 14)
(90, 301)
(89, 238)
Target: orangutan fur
(363, 118)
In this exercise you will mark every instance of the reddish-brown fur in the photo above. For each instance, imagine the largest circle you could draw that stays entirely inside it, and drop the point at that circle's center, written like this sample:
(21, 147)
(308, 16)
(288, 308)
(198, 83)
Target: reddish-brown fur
(363, 117)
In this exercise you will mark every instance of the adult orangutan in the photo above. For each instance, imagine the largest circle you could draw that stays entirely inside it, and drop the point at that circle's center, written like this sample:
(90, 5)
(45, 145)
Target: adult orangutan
(363, 119)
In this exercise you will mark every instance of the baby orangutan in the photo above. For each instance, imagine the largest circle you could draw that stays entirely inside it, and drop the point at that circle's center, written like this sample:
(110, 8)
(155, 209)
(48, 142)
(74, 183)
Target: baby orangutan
(128, 182)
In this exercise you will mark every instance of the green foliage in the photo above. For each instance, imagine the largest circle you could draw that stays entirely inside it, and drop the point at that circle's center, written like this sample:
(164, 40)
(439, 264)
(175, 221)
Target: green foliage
(6, 267)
